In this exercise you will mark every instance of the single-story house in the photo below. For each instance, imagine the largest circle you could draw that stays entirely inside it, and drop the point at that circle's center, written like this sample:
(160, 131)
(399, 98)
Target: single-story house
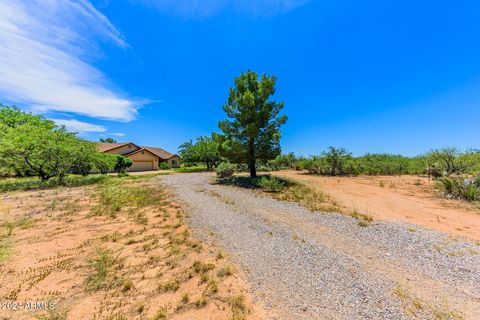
(143, 158)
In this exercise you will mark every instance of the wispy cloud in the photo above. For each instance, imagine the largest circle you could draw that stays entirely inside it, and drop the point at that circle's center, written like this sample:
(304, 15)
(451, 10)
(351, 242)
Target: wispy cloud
(206, 8)
(45, 46)
(79, 126)
(118, 134)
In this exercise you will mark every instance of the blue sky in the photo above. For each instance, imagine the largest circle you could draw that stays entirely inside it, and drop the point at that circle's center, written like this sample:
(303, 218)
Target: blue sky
(371, 76)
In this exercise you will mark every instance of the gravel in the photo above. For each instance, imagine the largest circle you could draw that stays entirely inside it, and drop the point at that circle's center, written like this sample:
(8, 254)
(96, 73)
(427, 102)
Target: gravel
(312, 265)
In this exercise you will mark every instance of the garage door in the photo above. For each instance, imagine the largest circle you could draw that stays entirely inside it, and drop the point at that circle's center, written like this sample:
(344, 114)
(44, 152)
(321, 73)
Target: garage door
(141, 165)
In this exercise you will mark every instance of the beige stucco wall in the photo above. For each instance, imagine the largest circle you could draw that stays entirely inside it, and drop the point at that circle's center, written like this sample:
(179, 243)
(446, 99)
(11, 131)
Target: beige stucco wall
(123, 150)
(143, 156)
(174, 162)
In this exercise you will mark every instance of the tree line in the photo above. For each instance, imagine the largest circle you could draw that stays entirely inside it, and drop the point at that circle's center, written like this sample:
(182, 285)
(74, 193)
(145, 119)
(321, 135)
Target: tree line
(250, 139)
(31, 145)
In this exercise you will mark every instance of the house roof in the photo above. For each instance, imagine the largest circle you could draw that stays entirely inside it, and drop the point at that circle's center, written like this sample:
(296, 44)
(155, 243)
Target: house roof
(159, 152)
(138, 150)
(105, 146)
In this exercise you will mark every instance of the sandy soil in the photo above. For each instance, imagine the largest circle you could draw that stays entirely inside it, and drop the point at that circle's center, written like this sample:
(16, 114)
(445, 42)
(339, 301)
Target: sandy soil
(410, 199)
(53, 239)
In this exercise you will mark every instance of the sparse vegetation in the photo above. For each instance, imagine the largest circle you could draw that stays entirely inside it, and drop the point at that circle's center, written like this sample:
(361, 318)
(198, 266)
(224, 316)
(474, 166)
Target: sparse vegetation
(225, 271)
(162, 314)
(239, 309)
(113, 196)
(286, 189)
(437, 311)
(103, 266)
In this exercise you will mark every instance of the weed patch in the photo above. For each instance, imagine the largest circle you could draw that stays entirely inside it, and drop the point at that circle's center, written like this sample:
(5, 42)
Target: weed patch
(113, 196)
(104, 270)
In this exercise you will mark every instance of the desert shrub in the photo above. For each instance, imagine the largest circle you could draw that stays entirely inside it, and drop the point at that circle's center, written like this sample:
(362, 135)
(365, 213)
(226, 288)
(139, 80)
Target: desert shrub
(382, 164)
(315, 165)
(461, 188)
(164, 166)
(336, 159)
(476, 181)
(225, 170)
(187, 169)
(470, 192)
(271, 183)
(122, 163)
(452, 161)
(282, 162)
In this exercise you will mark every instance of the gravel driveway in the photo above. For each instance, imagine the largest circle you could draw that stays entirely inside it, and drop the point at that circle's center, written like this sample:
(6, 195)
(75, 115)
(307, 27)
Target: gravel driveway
(312, 265)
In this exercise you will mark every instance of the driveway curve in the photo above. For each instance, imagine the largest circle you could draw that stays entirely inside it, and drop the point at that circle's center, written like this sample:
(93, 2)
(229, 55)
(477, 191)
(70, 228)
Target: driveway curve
(312, 265)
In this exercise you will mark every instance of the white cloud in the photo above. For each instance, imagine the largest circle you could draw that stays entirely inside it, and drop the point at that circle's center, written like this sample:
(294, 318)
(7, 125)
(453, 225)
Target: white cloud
(118, 134)
(79, 126)
(45, 46)
(205, 8)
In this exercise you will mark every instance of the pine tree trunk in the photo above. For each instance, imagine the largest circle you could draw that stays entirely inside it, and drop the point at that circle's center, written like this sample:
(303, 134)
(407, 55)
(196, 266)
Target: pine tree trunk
(253, 170)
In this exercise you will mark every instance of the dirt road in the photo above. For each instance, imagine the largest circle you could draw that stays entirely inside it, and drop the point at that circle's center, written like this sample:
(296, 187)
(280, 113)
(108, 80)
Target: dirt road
(304, 265)
(408, 198)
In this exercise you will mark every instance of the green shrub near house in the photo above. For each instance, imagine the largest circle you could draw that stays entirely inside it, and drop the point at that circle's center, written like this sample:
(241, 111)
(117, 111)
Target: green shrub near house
(225, 170)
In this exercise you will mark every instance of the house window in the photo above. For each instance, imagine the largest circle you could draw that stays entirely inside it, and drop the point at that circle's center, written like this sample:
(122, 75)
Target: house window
(174, 162)
(129, 147)
(143, 152)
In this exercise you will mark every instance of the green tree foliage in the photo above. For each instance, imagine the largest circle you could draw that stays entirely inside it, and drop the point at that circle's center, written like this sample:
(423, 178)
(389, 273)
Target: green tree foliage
(105, 162)
(42, 152)
(33, 145)
(108, 140)
(122, 163)
(204, 150)
(452, 161)
(337, 160)
(284, 161)
(253, 131)
(12, 117)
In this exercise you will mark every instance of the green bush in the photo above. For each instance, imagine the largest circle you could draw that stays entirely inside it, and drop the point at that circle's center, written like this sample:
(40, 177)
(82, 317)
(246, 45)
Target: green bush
(122, 163)
(164, 166)
(470, 193)
(105, 162)
(225, 170)
(271, 183)
(460, 189)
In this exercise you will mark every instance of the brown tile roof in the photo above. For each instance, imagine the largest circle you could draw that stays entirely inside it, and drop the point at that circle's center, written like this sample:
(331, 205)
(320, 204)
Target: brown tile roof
(159, 152)
(105, 146)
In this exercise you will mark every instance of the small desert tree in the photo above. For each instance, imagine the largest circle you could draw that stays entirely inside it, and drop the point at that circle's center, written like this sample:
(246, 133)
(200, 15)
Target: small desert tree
(203, 150)
(41, 151)
(253, 131)
(449, 160)
(337, 159)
